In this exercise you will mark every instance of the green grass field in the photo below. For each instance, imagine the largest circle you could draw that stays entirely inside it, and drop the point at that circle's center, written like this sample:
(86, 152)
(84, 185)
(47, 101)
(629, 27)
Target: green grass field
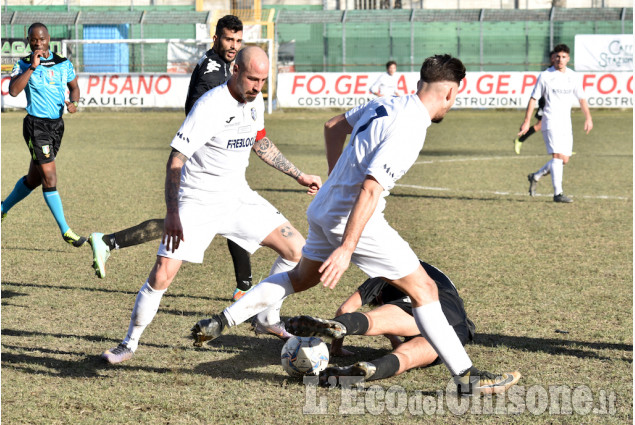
(549, 286)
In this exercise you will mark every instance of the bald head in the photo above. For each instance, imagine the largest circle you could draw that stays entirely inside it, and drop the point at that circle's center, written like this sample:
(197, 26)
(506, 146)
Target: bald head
(250, 73)
(252, 57)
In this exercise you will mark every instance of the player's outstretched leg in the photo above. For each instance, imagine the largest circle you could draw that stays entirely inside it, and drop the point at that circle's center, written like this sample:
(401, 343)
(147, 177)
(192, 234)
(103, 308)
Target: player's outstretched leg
(475, 381)
(312, 326)
(101, 252)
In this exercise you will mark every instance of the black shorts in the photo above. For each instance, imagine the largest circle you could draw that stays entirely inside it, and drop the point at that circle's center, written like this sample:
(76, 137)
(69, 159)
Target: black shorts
(43, 136)
(377, 291)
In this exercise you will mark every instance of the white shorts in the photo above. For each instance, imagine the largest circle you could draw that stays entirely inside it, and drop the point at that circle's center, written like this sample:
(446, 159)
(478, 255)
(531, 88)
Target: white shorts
(244, 217)
(558, 142)
(380, 252)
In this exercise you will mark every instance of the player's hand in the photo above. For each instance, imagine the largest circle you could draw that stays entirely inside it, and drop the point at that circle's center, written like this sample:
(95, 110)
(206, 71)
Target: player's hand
(334, 267)
(70, 106)
(172, 231)
(523, 128)
(314, 183)
(588, 126)
(35, 57)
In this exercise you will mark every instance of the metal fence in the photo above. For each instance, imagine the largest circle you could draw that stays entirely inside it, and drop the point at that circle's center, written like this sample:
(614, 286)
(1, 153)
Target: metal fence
(485, 39)
(354, 40)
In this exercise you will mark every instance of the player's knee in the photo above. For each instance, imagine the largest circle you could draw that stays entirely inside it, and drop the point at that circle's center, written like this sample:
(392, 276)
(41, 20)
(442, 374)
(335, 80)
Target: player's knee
(423, 292)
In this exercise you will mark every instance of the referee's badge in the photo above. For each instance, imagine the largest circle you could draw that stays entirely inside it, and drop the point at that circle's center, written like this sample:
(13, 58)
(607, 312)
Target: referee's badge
(253, 113)
(46, 150)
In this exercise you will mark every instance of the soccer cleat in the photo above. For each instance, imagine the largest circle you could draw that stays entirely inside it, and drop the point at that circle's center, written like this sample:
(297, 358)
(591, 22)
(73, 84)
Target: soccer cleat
(517, 145)
(207, 330)
(476, 382)
(364, 369)
(532, 184)
(101, 252)
(119, 354)
(277, 329)
(312, 326)
(562, 198)
(73, 238)
(238, 293)
(2, 213)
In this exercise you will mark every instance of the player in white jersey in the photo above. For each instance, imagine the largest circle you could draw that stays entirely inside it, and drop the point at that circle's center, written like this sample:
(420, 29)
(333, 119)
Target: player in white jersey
(558, 85)
(346, 222)
(386, 84)
(206, 192)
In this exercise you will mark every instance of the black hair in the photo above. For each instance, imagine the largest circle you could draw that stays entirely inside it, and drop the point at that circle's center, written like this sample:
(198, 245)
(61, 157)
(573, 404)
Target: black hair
(37, 25)
(390, 63)
(442, 68)
(230, 22)
(561, 48)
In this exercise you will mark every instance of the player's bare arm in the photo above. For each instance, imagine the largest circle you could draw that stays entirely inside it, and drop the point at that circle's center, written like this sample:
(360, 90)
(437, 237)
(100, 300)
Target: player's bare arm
(270, 154)
(588, 121)
(73, 95)
(335, 131)
(339, 260)
(19, 82)
(172, 229)
(528, 114)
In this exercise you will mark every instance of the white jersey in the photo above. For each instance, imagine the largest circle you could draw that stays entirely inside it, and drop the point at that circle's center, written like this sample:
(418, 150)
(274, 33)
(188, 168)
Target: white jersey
(559, 90)
(388, 134)
(217, 137)
(386, 85)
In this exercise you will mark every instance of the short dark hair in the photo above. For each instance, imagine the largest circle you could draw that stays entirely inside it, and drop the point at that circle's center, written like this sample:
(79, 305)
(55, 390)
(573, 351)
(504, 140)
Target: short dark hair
(562, 48)
(35, 26)
(389, 63)
(230, 22)
(442, 68)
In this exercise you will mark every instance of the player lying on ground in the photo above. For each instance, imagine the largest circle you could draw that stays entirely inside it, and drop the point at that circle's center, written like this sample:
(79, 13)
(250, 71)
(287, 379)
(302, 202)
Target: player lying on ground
(347, 223)
(392, 318)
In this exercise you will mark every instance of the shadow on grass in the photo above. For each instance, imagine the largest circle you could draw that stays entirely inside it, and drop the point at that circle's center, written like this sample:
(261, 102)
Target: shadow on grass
(105, 290)
(581, 349)
(404, 195)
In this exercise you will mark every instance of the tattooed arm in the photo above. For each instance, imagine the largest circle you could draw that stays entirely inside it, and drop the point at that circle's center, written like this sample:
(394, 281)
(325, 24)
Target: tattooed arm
(270, 154)
(172, 229)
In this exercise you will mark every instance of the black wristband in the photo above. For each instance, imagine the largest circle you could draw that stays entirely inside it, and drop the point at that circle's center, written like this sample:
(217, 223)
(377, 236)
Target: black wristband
(32, 68)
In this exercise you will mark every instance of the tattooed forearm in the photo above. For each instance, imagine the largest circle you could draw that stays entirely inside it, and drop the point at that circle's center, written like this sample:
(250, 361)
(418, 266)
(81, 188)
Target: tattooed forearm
(270, 154)
(173, 180)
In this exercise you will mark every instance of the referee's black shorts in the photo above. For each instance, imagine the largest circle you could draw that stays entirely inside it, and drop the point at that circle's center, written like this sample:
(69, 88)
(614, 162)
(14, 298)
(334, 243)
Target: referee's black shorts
(43, 136)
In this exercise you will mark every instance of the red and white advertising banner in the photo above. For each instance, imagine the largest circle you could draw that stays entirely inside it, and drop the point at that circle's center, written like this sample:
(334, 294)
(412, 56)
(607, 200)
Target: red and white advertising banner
(477, 90)
(119, 91)
(335, 90)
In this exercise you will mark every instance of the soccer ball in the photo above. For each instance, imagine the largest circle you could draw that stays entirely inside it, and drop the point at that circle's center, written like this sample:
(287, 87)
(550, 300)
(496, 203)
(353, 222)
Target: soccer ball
(304, 356)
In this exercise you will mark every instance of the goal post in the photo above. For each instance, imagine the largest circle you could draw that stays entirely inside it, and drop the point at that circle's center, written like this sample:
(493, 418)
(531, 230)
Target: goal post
(152, 55)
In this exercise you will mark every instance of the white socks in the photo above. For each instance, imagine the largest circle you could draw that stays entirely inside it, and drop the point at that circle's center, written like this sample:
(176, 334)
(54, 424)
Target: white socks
(435, 328)
(271, 316)
(266, 294)
(145, 308)
(557, 169)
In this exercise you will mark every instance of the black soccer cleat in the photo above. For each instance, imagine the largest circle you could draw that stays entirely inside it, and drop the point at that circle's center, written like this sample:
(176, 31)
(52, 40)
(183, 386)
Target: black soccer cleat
(207, 330)
(312, 326)
(329, 377)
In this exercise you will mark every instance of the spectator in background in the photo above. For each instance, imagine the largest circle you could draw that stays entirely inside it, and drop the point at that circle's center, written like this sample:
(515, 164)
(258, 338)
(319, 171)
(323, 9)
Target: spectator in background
(386, 84)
